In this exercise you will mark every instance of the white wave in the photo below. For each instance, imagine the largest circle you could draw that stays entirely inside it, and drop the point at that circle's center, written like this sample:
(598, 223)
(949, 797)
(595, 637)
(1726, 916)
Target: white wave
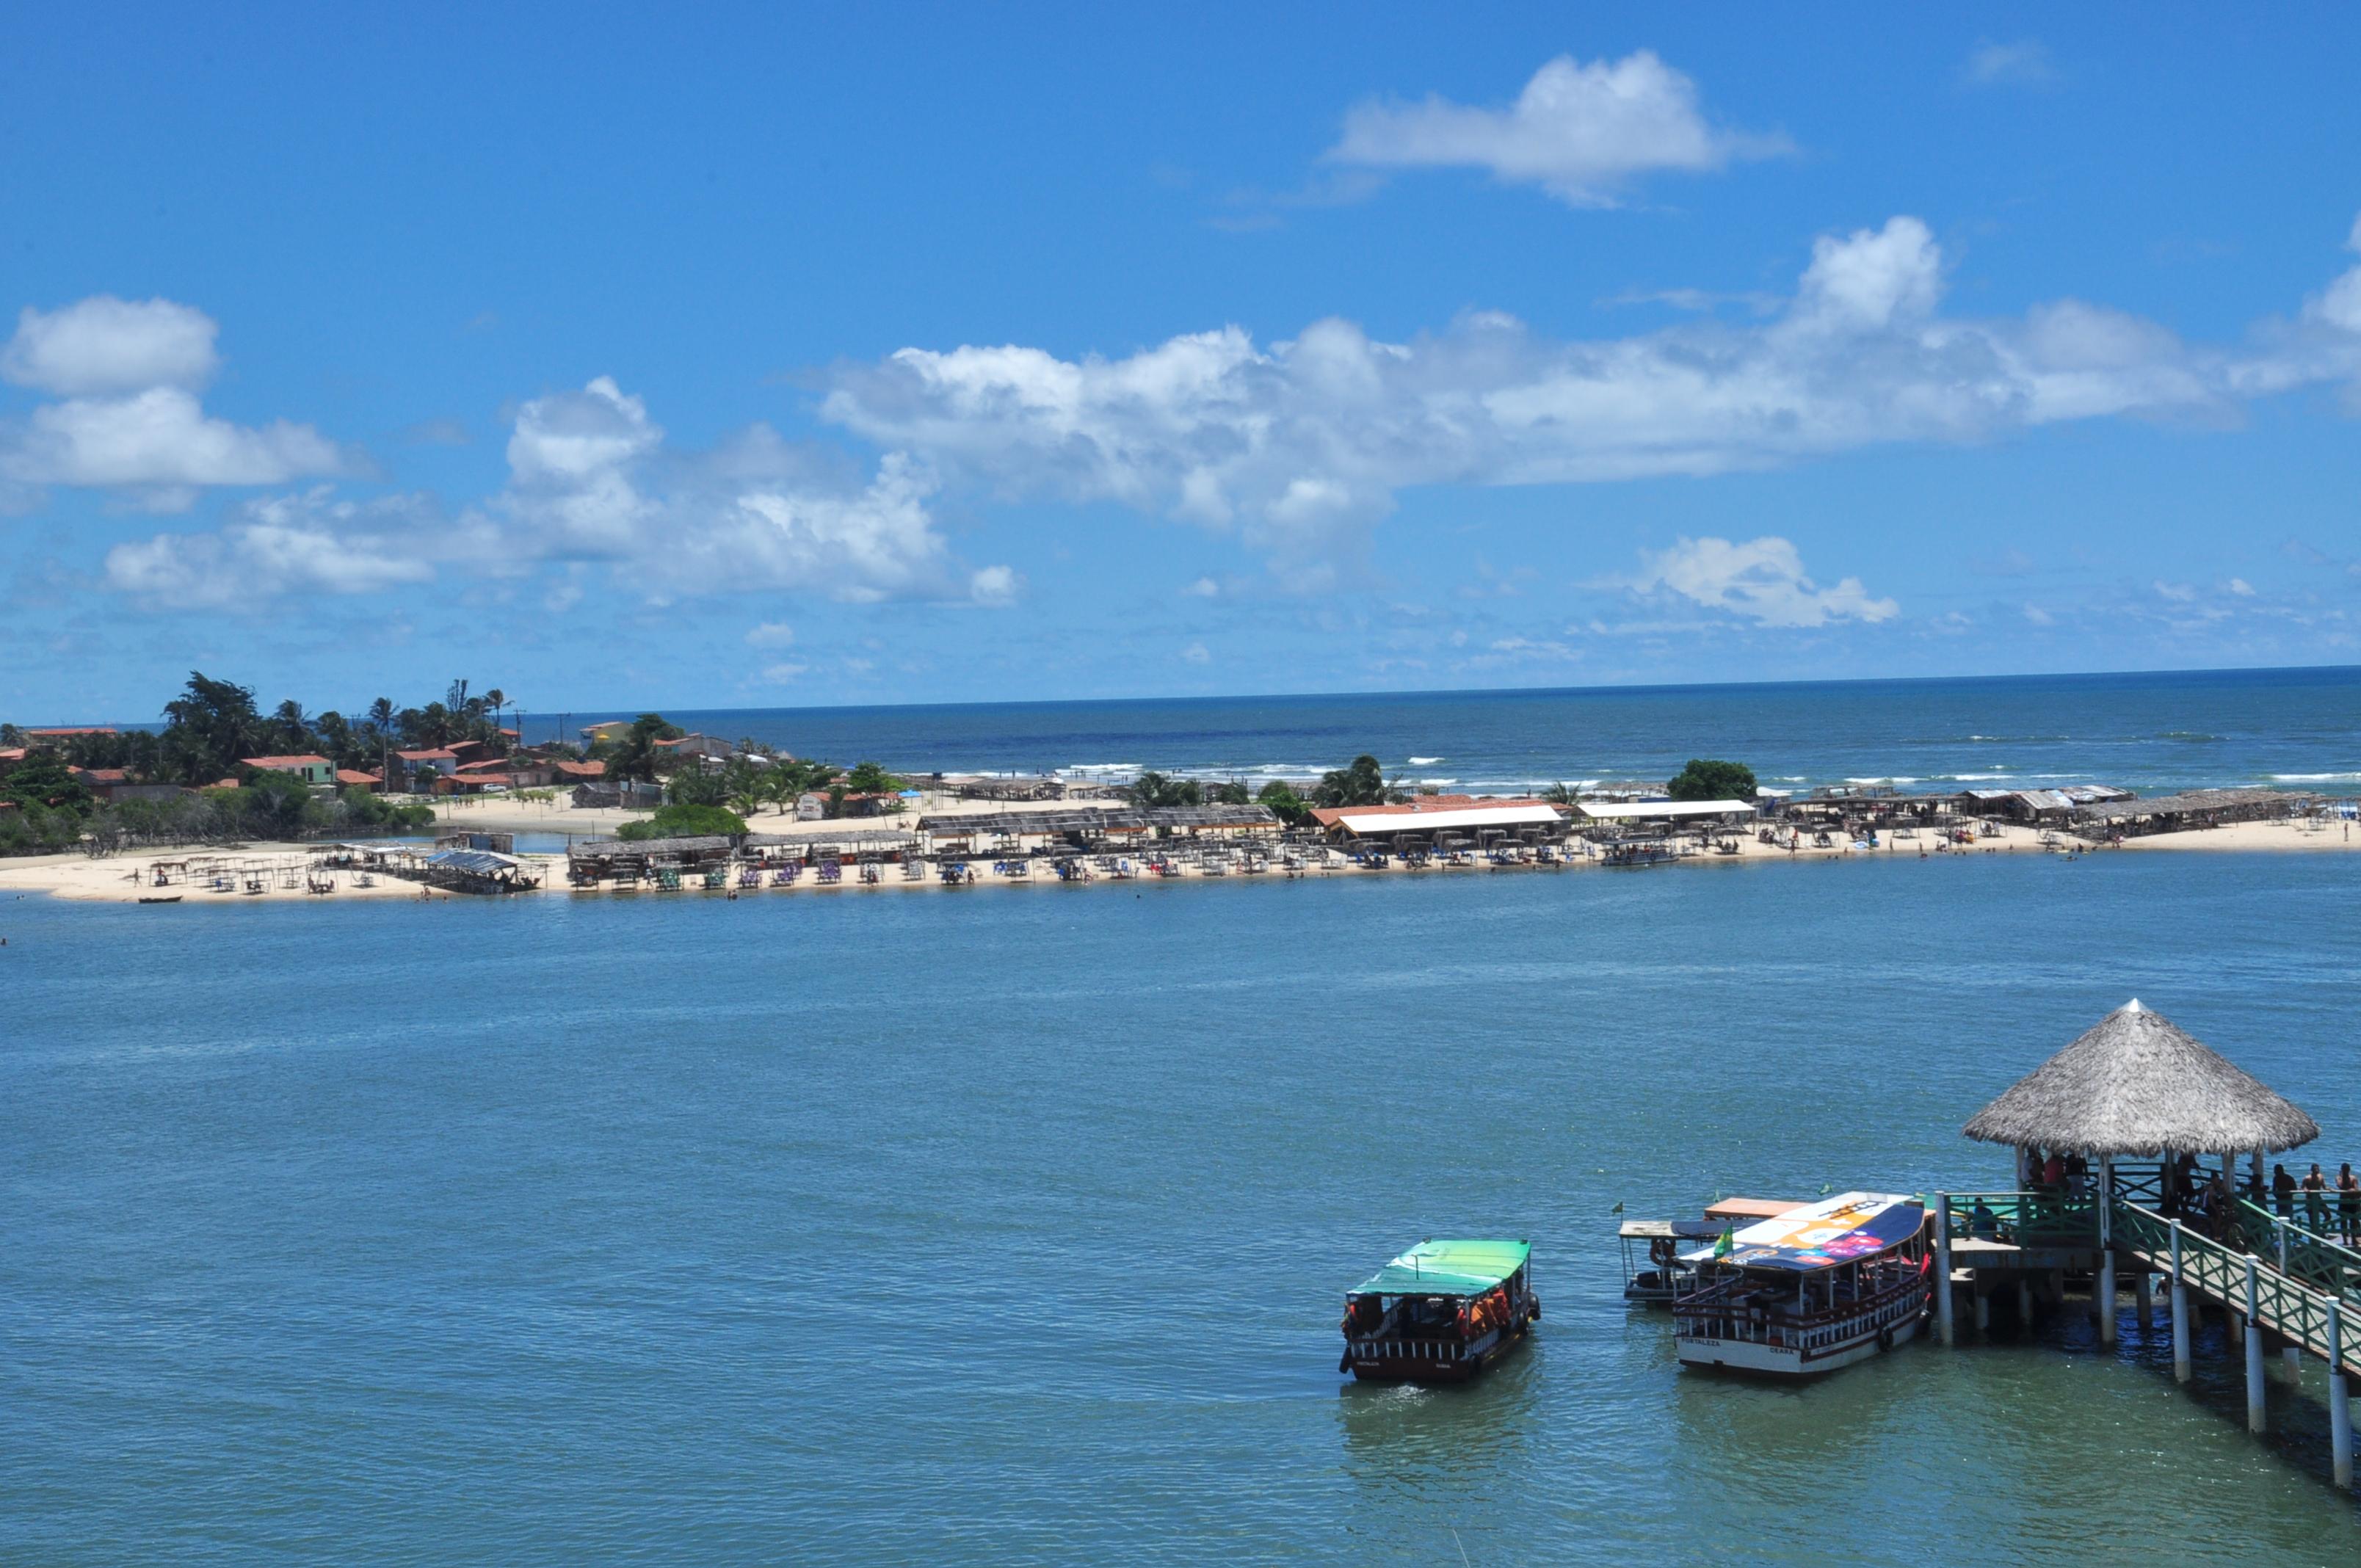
(2315, 778)
(1427, 762)
(1897, 781)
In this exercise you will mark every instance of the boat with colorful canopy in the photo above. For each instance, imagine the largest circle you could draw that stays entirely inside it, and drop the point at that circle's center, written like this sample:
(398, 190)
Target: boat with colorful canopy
(1441, 1312)
(1812, 1290)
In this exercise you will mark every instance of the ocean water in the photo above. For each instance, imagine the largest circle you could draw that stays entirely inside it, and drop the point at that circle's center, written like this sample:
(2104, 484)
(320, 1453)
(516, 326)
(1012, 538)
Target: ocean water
(1011, 1225)
(2294, 728)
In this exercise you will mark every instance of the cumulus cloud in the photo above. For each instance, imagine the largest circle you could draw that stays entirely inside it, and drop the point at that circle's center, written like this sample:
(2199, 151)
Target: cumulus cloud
(129, 419)
(1301, 445)
(104, 346)
(771, 634)
(2339, 305)
(592, 481)
(1579, 131)
(2024, 63)
(1762, 580)
(310, 542)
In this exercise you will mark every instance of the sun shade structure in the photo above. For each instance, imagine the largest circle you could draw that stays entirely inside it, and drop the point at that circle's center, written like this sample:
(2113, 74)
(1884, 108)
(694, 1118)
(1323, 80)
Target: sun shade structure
(1843, 1229)
(2136, 1084)
(1447, 1268)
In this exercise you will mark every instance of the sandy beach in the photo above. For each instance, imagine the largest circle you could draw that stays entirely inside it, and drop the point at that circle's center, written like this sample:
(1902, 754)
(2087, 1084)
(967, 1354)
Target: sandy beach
(280, 868)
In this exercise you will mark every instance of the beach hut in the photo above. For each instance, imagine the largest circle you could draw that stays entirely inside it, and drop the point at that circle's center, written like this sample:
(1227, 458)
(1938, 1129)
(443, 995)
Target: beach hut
(2136, 1086)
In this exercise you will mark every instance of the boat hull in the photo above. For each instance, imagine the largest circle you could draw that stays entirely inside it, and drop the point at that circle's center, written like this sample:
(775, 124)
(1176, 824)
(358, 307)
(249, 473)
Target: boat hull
(1371, 1361)
(1753, 1358)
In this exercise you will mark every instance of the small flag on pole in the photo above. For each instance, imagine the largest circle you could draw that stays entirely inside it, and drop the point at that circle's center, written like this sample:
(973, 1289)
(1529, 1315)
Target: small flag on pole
(1617, 1209)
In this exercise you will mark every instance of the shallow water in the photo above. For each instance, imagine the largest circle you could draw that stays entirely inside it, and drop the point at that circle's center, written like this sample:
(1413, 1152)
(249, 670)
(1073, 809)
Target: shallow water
(1012, 1224)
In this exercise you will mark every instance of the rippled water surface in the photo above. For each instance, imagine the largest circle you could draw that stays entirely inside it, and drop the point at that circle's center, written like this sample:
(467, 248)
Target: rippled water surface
(1010, 1225)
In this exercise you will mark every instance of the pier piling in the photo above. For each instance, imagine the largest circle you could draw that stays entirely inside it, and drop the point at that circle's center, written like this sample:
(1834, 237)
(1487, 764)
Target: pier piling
(2340, 1409)
(2106, 1302)
(1943, 1307)
(2144, 1299)
(2024, 1303)
(2180, 1311)
(2255, 1422)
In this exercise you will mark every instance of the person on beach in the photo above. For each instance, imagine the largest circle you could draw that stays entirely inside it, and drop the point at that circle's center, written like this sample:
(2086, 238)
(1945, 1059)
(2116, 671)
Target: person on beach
(2315, 1201)
(2348, 1204)
(2283, 1192)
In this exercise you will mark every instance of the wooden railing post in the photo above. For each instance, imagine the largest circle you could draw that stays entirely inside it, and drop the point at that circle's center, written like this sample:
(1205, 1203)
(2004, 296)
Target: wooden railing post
(2340, 1409)
(2180, 1311)
(2253, 1352)
(1943, 1325)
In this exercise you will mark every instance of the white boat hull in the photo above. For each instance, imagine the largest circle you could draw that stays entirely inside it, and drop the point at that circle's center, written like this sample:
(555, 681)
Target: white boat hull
(1786, 1361)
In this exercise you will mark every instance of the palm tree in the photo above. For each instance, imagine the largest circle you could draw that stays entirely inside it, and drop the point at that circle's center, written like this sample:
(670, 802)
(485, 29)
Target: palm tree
(1561, 794)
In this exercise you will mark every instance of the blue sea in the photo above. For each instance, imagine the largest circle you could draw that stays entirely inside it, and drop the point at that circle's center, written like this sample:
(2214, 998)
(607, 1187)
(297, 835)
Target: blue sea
(1010, 1225)
(2289, 729)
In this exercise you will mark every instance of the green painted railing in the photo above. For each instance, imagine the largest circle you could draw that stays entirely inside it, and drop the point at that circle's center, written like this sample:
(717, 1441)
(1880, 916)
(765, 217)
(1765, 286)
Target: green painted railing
(2025, 1218)
(2281, 1303)
(2298, 1252)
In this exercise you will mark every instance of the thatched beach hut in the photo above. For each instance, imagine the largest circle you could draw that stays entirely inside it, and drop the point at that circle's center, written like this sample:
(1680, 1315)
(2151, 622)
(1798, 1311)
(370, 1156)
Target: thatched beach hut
(2138, 1085)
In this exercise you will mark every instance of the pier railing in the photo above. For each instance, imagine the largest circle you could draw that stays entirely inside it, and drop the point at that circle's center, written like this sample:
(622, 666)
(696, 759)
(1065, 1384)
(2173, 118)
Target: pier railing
(2245, 1282)
(2298, 1252)
(2025, 1218)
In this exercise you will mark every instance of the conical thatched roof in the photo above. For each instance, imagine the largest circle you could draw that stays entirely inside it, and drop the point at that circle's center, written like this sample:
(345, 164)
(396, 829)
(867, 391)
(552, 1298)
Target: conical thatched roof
(2137, 1085)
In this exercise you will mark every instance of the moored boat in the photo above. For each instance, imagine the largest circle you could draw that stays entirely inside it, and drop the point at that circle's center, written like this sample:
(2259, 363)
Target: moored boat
(1441, 1312)
(1814, 1289)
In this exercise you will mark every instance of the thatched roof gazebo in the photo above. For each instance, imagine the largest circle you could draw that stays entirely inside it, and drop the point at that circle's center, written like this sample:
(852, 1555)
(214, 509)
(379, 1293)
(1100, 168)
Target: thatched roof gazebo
(2136, 1084)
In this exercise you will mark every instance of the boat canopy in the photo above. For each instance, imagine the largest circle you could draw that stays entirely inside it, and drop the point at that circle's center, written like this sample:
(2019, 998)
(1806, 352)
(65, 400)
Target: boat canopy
(1447, 1268)
(1843, 1229)
(1670, 1230)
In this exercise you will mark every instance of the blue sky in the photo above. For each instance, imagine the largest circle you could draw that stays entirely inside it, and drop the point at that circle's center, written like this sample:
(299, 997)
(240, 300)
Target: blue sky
(764, 356)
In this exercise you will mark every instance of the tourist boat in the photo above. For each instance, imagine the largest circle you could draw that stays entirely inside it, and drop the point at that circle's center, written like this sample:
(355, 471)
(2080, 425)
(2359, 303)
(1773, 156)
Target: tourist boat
(1816, 1289)
(1663, 1274)
(1441, 1312)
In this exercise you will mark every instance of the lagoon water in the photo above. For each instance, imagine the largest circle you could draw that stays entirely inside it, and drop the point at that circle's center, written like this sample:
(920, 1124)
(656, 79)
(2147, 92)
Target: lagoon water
(1010, 1224)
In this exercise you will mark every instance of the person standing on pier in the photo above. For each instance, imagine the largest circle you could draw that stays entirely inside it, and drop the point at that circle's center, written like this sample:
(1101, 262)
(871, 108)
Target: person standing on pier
(2315, 1201)
(2283, 1192)
(2348, 1204)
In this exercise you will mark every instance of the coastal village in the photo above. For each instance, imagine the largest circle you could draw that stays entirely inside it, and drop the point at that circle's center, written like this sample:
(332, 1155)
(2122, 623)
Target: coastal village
(456, 803)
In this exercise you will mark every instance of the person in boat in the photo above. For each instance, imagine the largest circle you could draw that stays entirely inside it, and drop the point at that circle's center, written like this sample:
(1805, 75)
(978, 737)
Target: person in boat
(2282, 1192)
(2315, 1201)
(2348, 1204)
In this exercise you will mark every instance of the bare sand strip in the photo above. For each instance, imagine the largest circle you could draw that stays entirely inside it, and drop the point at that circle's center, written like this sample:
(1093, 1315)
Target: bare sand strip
(280, 868)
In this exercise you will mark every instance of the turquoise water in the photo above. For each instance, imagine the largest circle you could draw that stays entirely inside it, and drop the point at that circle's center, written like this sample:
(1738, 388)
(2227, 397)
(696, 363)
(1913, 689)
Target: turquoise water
(1010, 1225)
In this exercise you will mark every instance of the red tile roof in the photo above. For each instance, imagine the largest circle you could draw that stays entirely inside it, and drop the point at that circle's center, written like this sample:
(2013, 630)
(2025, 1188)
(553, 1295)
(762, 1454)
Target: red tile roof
(13, 754)
(101, 775)
(438, 754)
(487, 762)
(354, 776)
(582, 770)
(285, 765)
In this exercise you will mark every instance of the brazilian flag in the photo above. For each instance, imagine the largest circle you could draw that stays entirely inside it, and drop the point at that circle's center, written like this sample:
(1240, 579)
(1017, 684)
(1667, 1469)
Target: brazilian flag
(1724, 1244)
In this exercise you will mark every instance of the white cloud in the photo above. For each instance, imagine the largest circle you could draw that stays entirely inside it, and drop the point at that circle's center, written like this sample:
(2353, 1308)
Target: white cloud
(2038, 616)
(2024, 63)
(1578, 131)
(771, 634)
(995, 585)
(1762, 580)
(2179, 593)
(1196, 653)
(161, 437)
(781, 673)
(281, 545)
(128, 418)
(2240, 586)
(103, 345)
(1203, 588)
(591, 480)
(1301, 445)
(2339, 304)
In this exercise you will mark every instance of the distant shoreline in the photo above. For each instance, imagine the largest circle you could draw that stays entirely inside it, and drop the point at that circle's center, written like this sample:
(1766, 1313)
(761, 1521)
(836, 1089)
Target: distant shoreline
(120, 880)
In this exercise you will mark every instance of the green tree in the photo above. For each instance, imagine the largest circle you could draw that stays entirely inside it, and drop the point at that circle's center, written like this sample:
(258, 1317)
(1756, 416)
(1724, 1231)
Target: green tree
(1284, 803)
(868, 778)
(681, 821)
(42, 783)
(697, 787)
(632, 754)
(1706, 779)
(1231, 793)
(1154, 789)
(1562, 794)
(208, 728)
(1360, 782)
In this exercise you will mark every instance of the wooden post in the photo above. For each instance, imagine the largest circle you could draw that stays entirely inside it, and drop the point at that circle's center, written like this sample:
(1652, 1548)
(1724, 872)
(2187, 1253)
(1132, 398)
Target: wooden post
(2253, 1352)
(2024, 1304)
(1943, 1267)
(2144, 1299)
(2180, 1311)
(1984, 1309)
(2106, 1303)
(2340, 1409)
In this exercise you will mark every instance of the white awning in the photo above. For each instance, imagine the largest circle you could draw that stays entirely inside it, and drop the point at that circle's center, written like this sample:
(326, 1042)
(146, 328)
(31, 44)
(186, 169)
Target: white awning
(1458, 818)
(1615, 810)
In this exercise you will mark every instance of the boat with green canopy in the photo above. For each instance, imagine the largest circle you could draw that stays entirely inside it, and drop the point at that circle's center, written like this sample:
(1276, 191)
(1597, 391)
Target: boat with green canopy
(1441, 1312)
